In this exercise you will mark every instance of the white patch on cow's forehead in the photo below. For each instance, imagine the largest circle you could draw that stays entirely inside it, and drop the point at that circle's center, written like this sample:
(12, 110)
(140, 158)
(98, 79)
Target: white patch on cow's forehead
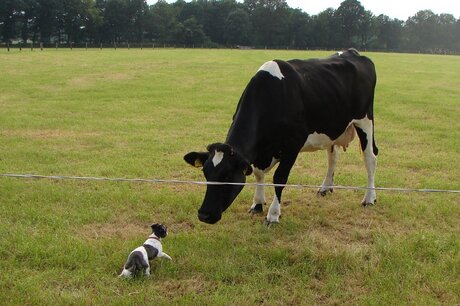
(339, 53)
(272, 68)
(218, 156)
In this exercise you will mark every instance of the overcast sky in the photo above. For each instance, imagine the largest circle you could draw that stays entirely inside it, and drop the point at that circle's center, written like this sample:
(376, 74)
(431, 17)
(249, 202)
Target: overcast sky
(401, 9)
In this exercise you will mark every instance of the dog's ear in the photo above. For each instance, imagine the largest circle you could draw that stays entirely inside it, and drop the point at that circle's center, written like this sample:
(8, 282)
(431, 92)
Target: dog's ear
(154, 226)
(160, 230)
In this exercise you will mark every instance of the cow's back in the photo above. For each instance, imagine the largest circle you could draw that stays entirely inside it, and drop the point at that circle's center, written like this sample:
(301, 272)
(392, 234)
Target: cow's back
(335, 91)
(285, 101)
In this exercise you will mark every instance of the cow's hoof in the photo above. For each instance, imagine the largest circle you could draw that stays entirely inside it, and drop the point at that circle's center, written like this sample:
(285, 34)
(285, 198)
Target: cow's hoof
(324, 192)
(272, 220)
(269, 223)
(367, 204)
(256, 209)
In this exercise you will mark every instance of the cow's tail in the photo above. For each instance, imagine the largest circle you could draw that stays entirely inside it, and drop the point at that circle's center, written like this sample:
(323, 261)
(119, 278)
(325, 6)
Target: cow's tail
(374, 146)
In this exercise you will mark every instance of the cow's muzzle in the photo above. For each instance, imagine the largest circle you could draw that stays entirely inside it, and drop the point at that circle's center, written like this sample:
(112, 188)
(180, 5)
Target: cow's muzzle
(208, 218)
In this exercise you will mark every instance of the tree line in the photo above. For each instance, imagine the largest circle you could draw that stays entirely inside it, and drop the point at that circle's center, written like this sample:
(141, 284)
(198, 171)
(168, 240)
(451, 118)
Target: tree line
(224, 23)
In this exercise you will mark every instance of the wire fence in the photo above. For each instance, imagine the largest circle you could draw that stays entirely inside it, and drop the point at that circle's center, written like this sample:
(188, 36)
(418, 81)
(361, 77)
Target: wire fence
(33, 46)
(166, 181)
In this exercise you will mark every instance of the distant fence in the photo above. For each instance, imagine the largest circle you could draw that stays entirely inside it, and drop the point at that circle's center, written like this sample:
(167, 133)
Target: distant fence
(42, 46)
(128, 45)
(155, 45)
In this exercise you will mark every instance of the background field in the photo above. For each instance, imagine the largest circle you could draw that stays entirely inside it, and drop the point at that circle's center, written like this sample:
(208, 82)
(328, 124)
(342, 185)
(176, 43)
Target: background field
(135, 113)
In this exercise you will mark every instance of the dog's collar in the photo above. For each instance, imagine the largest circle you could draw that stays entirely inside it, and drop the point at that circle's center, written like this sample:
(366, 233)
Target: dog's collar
(154, 237)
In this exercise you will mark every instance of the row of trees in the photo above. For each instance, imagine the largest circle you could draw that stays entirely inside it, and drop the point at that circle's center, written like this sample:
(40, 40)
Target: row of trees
(268, 23)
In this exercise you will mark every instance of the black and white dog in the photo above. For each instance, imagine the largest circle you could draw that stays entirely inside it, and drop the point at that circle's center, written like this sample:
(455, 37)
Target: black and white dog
(139, 258)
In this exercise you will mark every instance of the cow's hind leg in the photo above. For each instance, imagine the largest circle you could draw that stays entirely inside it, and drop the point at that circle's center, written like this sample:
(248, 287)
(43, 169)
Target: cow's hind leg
(332, 156)
(365, 131)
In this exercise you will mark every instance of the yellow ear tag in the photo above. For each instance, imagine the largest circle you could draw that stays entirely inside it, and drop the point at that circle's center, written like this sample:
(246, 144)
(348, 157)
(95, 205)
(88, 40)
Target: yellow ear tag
(198, 163)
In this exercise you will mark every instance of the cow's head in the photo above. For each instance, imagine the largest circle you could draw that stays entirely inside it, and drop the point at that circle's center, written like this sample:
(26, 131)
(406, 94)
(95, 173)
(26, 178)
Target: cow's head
(220, 164)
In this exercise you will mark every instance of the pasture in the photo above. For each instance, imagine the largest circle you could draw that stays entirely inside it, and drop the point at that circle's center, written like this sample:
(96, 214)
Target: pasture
(135, 113)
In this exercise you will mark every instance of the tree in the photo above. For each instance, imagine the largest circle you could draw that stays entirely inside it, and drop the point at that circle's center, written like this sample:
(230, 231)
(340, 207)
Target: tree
(298, 30)
(389, 32)
(366, 28)
(93, 22)
(446, 31)
(10, 13)
(421, 31)
(324, 33)
(270, 23)
(350, 15)
(116, 22)
(457, 36)
(72, 16)
(164, 22)
(268, 19)
(46, 21)
(190, 32)
(237, 28)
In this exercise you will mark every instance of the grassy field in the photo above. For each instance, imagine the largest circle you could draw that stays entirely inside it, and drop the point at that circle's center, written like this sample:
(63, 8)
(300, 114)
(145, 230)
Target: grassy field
(135, 113)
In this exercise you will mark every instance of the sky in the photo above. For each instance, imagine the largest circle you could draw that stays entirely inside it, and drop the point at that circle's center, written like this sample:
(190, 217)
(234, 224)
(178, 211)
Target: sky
(401, 9)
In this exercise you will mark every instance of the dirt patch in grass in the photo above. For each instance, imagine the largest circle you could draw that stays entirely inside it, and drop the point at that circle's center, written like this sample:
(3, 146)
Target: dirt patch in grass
(95, 79)
(176, 288)
(47, 134)
(125, 230)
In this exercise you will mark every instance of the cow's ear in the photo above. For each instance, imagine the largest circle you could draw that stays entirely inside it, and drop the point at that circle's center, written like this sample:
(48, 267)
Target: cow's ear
(196, 159)
(247, 170)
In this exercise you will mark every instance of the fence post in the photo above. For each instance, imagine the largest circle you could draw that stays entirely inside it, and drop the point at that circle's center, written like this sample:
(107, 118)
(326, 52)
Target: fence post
(101, 46)
(41, 46)
(86, 45)
(8, 46)
(70, 45)
(56, 45)
(128, 45)
(31, 46)
(115, 45)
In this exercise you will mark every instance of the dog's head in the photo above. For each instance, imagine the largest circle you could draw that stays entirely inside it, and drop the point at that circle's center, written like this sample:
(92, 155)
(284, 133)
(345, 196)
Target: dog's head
(159, 230)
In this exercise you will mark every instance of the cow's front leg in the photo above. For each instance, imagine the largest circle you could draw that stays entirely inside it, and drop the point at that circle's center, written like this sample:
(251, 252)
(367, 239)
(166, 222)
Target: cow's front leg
(326, 186)
(259, 195)
(280, 177)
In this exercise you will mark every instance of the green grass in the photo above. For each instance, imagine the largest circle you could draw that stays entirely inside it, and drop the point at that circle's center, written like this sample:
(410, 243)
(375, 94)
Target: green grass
(135, 113)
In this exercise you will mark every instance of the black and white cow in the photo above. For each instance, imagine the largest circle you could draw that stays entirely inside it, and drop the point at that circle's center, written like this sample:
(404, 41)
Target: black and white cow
(290, 107)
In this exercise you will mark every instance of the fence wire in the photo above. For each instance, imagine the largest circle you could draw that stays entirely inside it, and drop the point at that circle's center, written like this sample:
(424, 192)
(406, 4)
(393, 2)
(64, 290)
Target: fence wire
(166, 181)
